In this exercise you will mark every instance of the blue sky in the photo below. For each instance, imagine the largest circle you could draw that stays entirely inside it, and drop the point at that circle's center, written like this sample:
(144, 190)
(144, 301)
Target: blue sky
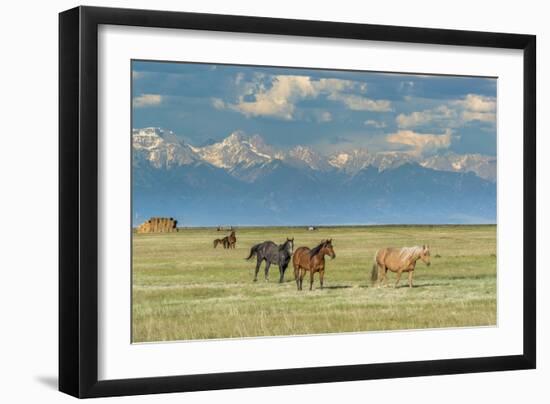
(326, 109)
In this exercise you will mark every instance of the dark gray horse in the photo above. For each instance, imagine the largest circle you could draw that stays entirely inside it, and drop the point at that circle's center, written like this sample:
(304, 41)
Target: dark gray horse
(272, 254)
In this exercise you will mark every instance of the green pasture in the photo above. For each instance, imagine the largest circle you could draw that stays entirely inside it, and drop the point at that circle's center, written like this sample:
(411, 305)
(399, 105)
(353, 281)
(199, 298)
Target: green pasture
(183, 288)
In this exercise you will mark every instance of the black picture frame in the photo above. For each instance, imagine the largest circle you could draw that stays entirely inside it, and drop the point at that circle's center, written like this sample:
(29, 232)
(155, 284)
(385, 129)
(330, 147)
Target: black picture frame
(78, 201)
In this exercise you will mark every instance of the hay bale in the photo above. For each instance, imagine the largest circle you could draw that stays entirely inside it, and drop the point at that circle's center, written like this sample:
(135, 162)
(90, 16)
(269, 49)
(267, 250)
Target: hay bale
(158, 225)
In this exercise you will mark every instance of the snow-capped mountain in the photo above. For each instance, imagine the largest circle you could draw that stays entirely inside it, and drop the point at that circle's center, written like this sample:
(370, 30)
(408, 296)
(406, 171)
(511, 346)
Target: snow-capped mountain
(235, 150)
(351, 161)
(355, 160)
(162, 149)
(483, 166)
(243, 180)
(247, 158)
(306, 156)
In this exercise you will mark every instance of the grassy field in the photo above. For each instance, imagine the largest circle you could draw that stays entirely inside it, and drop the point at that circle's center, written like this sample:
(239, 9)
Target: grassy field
(185, 289)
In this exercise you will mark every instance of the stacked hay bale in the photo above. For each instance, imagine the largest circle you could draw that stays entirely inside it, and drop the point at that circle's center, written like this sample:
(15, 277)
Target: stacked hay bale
(158, 225)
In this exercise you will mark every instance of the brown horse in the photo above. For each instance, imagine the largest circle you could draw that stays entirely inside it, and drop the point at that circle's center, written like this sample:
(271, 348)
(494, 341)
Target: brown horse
(232, 239)
(224, 241)
(398, 260)
(305, 260)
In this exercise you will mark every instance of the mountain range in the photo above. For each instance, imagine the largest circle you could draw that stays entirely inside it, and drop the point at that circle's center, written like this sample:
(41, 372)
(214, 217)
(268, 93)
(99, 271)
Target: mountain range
(242, 180)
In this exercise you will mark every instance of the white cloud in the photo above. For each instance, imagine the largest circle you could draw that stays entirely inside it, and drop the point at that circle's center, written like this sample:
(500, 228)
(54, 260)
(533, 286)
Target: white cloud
(479, 116)
(406, 85)
(441, 114)
(218, 103)
(324, 116)
(239, 78)
(420, 143)
(374, 123)
(359, 103)
(137, 75)
(477, 108)
(280, 98)
(147, 100)
(478, 103)
(453, 114)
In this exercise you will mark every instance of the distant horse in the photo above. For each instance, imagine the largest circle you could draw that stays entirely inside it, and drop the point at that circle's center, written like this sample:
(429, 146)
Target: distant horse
(398, 260)
(232, 239)
(272, 254)
(305, 260)
(224, 241)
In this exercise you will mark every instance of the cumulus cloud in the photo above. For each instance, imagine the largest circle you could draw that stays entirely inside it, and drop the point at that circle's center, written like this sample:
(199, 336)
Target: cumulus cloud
(477, 108)
(478, 103)
(147, 100)
(420, 143)
(281, 94)
(479, 116)
(453, 114)
(441, 114)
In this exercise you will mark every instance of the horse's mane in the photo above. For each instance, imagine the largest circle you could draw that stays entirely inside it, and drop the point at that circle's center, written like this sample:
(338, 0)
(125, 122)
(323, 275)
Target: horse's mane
(316, 250)
(283, 246)
(410, 252)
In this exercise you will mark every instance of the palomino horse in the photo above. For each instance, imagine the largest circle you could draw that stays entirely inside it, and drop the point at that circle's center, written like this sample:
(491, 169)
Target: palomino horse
(232, 239)
(305, 260)
(272, 254)
(398, 260)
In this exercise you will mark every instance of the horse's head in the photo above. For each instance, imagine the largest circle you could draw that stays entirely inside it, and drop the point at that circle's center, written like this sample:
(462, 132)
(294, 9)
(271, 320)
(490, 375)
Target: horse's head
(290, 245)
(327, 249)
(425, 254)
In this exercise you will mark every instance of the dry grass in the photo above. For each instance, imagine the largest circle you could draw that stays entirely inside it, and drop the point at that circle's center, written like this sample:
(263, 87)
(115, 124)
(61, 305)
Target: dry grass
(185, 289)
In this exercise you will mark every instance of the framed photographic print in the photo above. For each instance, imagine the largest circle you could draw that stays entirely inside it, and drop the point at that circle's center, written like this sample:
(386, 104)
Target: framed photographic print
(251, 201)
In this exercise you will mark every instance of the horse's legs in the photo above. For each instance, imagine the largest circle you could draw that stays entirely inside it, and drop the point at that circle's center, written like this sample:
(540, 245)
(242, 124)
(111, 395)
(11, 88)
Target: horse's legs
(311, 280)
(267, 265)
(411, 279)
(281, 273)
(321, 276)
(302, 274)
(258, 263)
(398, 278)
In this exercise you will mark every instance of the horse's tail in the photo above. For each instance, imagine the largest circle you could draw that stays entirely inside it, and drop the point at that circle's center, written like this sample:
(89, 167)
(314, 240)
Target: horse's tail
(374, 273)
(253, 251)
(216, 242)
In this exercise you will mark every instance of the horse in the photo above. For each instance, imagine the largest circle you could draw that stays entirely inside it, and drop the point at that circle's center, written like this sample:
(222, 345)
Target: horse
(224, 241)
(398, 260)
(313, 261)
(232, 239)
(272, 254)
